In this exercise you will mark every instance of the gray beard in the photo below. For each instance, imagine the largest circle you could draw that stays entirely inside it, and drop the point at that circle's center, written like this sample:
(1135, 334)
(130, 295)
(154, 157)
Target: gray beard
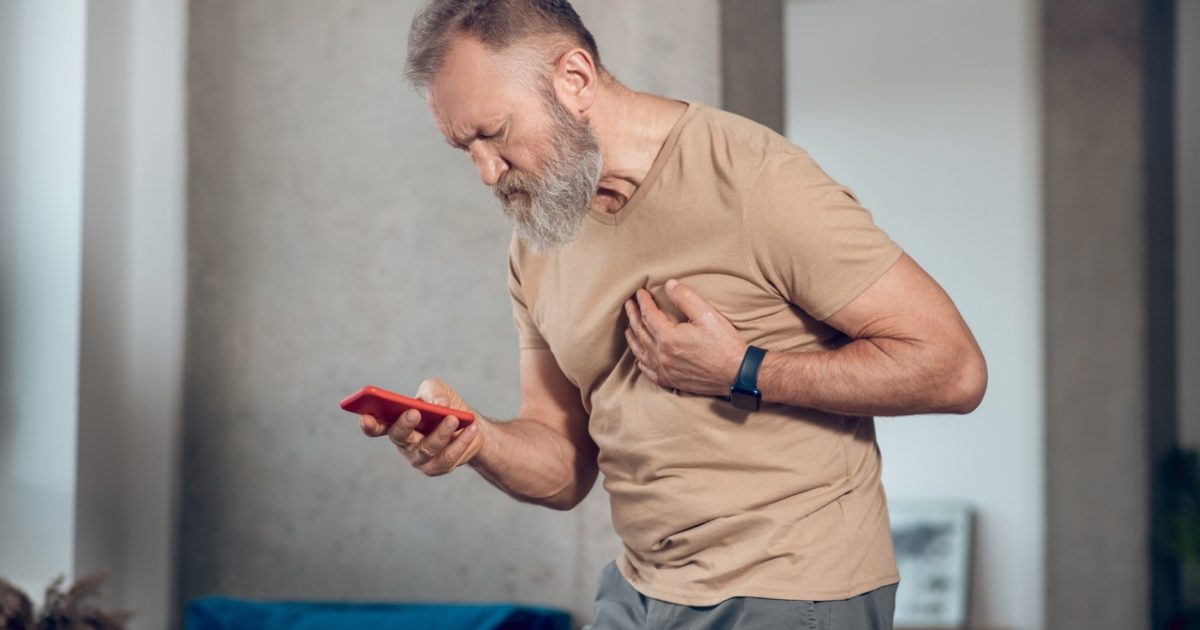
(554, 206)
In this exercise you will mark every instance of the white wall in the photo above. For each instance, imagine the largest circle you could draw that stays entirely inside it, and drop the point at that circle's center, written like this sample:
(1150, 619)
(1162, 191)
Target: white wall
(41, 161)
(91, 294)
(1187, 247)
(929, 110)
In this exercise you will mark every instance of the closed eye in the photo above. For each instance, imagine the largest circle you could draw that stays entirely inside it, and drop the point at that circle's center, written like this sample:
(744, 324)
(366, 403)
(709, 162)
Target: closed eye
(478, 136)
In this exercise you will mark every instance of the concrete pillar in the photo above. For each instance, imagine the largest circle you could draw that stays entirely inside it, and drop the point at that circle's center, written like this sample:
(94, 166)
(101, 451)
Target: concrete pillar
(1109, 367)
(752, 81)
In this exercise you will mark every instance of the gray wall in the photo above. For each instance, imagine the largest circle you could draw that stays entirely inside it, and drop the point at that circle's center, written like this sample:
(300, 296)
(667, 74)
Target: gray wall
(335, 241)
(1187, 248)
(132, 309)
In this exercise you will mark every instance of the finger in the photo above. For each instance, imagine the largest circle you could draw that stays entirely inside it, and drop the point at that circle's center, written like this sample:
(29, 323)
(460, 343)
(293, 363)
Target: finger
(657, 322)
(403, 427)
(459, 445)
(650, 373)
(635, 321)
(688, 301)
(639, 351)
(370, 426)
(436, 441)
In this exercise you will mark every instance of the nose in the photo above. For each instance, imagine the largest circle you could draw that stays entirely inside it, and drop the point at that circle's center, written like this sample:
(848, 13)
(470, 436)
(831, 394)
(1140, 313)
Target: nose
(491, 166)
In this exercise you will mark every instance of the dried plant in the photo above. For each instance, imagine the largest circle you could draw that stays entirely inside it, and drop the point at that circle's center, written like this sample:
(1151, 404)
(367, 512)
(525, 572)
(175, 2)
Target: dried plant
(16, 611)
(77, 608)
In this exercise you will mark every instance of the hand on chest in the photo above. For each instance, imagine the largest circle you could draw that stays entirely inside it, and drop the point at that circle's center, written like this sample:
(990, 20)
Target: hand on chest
(584, 318)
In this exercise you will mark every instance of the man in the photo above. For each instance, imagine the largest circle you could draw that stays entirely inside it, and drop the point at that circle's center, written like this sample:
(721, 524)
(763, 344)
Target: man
(704, 315)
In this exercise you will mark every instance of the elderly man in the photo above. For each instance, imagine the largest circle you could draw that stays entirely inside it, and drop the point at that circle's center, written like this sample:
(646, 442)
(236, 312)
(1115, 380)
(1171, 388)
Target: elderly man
(704, 315)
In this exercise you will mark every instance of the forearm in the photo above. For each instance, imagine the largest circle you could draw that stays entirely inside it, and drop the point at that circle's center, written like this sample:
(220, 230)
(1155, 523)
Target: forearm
(536, 464)
(875, 377)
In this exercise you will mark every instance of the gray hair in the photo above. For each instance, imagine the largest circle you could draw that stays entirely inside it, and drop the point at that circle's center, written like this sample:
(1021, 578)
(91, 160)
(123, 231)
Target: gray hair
(498, 24)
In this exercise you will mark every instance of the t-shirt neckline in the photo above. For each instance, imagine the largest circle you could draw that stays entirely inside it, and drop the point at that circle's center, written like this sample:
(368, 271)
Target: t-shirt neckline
(664, 154)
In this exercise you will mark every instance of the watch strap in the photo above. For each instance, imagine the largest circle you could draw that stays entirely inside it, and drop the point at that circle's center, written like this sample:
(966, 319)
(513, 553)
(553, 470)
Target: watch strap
(744, 393)
(748, 374)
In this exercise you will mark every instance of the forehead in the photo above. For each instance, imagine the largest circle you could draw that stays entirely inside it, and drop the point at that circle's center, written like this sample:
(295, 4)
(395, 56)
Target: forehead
(474, 86)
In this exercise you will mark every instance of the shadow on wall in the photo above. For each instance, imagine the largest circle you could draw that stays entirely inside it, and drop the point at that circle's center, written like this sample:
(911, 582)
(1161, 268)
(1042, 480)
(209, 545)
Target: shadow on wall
(7, 248)
(8, 403)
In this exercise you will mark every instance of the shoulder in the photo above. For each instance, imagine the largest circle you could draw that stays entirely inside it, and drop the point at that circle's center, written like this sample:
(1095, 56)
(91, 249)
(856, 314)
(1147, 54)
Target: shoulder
(747, 151)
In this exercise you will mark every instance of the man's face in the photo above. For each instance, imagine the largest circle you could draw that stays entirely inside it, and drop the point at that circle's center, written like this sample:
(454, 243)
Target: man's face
(542, 163)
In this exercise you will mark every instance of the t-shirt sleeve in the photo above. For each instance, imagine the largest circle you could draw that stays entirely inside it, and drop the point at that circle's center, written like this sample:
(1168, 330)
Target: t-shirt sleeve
(809, 237)
(527, 333)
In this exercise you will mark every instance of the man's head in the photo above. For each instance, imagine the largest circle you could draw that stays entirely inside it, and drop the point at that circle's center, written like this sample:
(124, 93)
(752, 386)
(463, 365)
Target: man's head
(508, 81)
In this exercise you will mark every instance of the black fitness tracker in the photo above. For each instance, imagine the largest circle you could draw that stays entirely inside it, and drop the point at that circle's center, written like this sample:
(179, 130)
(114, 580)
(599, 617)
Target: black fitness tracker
(744, 394)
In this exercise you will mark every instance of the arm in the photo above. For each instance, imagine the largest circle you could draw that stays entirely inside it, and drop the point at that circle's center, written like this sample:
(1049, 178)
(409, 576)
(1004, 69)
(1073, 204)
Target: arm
(911, 352)
(545, 456)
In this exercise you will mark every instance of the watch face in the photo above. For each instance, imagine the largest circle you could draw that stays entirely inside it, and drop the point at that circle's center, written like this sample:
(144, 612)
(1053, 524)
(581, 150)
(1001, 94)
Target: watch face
(748, 400)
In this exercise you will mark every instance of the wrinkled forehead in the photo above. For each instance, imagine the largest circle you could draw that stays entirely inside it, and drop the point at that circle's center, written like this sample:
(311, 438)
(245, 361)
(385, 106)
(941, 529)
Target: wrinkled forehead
(474, 86)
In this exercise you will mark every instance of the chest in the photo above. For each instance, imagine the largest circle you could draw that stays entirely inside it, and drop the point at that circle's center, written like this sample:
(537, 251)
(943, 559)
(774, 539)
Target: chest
(579, 303)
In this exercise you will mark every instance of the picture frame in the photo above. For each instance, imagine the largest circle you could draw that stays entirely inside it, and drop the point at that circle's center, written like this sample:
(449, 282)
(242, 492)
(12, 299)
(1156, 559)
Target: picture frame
(933, 541)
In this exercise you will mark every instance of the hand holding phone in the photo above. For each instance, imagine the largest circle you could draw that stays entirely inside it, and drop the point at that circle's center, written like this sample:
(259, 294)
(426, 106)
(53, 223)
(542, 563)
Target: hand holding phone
(386, 406)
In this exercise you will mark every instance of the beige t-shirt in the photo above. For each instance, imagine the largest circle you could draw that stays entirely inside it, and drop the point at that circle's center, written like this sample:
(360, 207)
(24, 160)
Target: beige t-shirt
(713, 502)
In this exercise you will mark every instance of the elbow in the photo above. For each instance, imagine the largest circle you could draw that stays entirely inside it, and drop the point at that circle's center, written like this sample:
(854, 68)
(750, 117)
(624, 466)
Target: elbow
(965, 386)
(574, 491)
(563, 504)
(564, 501)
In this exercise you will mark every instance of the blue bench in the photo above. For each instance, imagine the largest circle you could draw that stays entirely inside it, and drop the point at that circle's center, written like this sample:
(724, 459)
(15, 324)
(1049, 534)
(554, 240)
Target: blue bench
(223, 613)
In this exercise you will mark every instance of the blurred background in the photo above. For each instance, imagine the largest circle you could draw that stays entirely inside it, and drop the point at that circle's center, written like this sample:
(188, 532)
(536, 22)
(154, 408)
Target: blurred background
(219, 217)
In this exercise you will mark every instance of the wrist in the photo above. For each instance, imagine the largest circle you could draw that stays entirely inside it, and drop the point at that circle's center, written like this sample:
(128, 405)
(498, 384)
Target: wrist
(766, 373)
(744, 393)
(488, 430)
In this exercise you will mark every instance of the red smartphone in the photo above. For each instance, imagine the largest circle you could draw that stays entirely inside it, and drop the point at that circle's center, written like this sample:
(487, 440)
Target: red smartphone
(387, 406)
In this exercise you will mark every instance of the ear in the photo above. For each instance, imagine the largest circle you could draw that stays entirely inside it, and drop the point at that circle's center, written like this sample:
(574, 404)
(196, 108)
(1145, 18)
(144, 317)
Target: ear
(575, 80)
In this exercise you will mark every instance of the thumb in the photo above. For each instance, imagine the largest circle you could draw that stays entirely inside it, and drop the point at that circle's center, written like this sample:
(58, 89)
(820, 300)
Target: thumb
(436, 391)
(687, 301)
(432, 389)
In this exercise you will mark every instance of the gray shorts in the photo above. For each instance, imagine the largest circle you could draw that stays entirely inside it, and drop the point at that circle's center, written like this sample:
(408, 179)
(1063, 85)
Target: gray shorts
(620, 607)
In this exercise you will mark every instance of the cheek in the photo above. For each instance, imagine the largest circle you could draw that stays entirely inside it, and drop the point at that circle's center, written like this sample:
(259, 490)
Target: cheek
(529, 153)
(521, 160)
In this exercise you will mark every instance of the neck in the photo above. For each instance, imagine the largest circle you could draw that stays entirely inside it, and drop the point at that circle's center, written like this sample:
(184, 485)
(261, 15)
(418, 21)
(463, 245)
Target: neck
(631, 128)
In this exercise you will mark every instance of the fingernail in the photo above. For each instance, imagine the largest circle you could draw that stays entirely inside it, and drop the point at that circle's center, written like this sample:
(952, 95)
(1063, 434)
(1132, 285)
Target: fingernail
(671, 284)
(451, 424)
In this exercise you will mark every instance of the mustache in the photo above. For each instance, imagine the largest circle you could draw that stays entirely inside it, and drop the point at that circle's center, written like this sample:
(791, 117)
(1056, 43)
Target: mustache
(511, 183)
(504, 190)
